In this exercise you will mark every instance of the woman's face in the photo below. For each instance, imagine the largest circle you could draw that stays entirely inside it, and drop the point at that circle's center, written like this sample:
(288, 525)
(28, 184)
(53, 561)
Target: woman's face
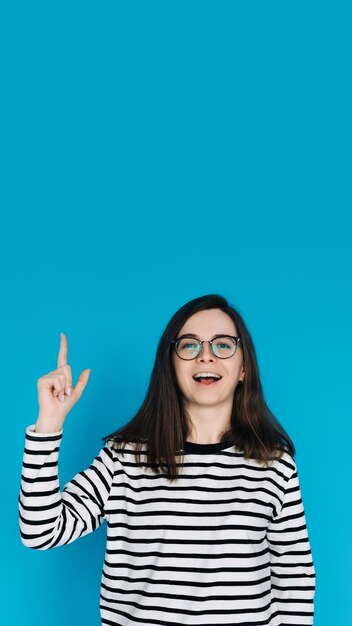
(206, 324)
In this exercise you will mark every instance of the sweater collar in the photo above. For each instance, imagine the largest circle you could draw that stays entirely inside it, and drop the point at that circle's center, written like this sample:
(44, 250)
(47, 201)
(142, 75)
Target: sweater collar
(206, 448)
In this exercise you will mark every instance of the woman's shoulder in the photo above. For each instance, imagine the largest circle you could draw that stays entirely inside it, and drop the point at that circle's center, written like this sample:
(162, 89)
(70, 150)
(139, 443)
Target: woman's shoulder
(122, 449)
(285, 459)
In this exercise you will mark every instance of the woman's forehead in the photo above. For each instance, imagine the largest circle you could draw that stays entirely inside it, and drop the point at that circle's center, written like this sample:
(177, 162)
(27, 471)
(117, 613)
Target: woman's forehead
(209, 323)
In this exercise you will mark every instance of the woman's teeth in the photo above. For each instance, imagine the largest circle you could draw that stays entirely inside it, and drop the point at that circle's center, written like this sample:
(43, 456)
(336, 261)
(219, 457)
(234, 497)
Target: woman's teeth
(206, 380)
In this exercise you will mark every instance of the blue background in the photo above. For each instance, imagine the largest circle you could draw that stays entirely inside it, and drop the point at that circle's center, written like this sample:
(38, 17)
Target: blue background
(153, 152)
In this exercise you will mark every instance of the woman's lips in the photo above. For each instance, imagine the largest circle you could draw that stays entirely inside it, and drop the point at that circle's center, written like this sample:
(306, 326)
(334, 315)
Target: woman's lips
(207, 381)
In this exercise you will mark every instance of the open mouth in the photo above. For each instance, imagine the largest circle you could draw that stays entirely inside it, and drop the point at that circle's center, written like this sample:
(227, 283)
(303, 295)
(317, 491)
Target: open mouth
(206, 381)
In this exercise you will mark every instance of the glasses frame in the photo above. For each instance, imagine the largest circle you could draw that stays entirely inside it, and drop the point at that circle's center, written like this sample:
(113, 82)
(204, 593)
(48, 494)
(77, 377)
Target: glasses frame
(200, 343)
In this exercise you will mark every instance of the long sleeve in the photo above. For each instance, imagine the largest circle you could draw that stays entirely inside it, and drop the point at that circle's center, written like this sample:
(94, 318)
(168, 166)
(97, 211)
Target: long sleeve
(293, 574)
(47, 517)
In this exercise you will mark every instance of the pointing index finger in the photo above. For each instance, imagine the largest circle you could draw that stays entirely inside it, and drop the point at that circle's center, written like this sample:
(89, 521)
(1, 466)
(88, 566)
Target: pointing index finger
(62, 358)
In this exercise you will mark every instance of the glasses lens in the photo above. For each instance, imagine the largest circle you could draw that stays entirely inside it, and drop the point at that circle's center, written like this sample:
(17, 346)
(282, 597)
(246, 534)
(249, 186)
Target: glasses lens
(187, 348)
(224, 347)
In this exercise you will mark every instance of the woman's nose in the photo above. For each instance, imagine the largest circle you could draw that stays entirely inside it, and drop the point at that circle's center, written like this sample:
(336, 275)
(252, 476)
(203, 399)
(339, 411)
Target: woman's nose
(205, 351)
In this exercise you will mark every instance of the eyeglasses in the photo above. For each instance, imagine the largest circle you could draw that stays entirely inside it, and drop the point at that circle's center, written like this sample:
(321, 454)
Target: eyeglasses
(188, 348)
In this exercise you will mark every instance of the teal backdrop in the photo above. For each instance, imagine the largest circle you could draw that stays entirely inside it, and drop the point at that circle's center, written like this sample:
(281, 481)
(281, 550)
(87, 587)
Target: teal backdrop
(153, 152)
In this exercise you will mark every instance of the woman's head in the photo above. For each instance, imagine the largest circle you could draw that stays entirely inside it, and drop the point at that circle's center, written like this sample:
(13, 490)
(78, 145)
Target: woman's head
(162, 423)
(219, 353)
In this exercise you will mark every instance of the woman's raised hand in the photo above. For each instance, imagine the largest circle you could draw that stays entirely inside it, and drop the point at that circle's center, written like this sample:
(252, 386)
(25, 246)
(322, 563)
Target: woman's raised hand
(56, 395)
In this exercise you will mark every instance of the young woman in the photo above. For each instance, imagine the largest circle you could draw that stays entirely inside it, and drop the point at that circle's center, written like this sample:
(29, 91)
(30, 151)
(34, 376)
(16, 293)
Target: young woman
(200, 489)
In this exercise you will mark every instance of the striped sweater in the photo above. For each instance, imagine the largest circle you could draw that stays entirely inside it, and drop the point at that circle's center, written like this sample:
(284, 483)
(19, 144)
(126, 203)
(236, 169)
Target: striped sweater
(226, 544)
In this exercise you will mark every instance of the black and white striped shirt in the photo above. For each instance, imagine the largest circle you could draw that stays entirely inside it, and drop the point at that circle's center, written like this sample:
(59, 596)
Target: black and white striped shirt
(226, 544)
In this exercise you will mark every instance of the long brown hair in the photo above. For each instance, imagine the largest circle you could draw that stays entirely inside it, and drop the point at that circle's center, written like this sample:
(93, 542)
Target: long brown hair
(160, 424)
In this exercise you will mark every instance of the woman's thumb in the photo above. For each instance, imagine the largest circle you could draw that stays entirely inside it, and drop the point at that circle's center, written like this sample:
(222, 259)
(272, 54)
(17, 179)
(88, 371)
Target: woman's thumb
(82, 381)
